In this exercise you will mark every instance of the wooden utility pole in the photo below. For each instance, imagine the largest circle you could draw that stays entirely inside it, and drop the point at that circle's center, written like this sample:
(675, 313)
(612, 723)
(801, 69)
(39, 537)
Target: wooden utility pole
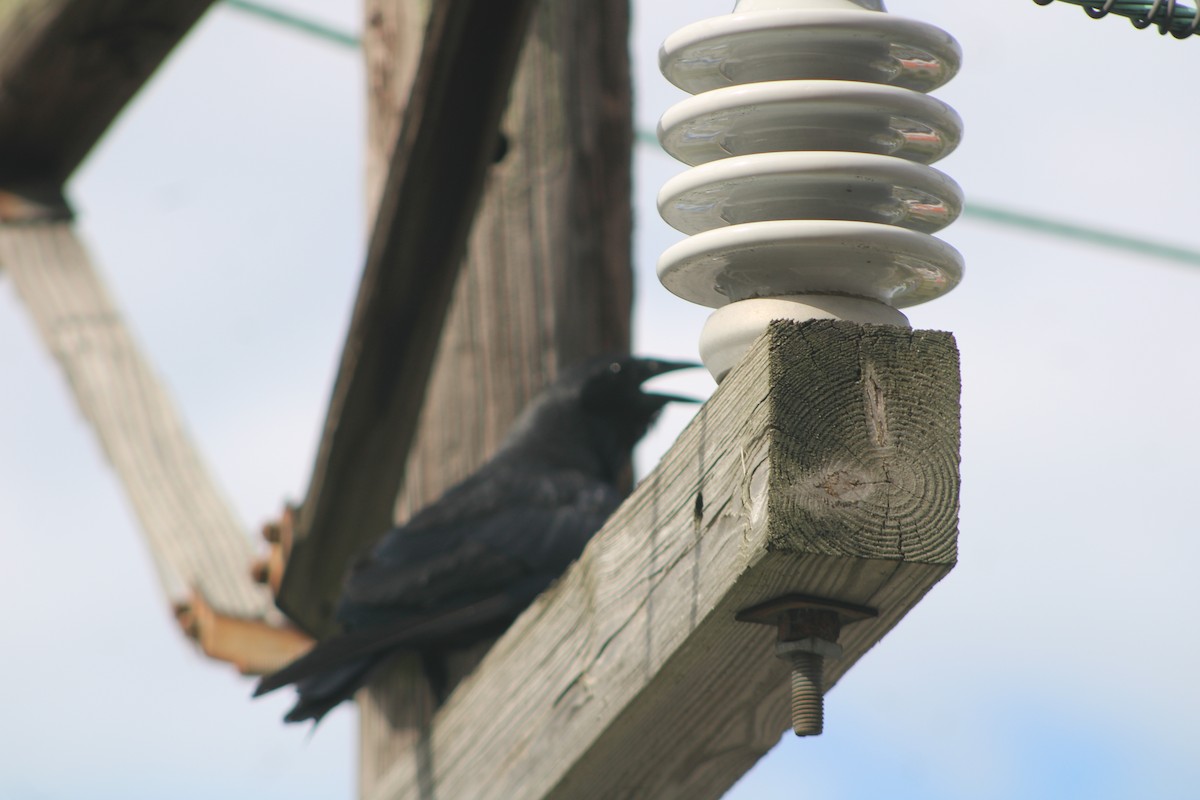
(546, 281)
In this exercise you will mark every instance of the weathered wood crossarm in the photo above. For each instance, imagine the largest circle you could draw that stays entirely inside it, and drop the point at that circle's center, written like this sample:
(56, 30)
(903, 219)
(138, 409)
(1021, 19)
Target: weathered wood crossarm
(827, 465)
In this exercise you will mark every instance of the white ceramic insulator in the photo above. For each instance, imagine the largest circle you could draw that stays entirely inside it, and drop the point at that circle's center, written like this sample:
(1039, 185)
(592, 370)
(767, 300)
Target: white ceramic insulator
(809, 135)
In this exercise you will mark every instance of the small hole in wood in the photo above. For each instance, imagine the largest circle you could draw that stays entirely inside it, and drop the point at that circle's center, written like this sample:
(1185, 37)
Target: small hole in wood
(501, 148)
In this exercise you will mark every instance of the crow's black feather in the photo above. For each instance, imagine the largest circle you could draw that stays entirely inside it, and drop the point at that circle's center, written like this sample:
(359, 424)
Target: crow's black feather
(463, 568)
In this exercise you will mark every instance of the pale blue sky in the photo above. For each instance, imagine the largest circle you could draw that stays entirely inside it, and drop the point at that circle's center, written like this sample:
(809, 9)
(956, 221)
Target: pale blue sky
(1058, 660)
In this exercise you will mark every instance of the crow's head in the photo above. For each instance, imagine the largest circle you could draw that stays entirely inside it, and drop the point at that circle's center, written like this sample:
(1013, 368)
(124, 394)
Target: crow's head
(616, 406)
(595, 413)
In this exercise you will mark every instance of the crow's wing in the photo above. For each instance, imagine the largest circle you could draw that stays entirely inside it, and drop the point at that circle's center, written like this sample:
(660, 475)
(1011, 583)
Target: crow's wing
(463, 568)
(502, 533)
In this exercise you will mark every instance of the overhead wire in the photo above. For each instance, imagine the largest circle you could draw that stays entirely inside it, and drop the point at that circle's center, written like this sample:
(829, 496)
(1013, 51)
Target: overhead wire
(1038, 223)
(980, 211)
(296, 22)
(1081, 233)
(1169, 15)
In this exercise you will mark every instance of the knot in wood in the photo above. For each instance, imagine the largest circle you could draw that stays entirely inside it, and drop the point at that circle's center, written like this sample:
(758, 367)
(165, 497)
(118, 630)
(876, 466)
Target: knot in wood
(847, 486)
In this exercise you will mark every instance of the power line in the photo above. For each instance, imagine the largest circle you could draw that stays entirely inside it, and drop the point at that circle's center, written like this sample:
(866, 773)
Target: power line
(298, 23)
(1040, 224)
(981, 211)
(1083, 233)
(1178, 20)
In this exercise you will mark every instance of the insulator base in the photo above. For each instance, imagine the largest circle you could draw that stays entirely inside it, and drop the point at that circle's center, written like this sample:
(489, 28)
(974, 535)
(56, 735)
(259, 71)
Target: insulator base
(732, 329)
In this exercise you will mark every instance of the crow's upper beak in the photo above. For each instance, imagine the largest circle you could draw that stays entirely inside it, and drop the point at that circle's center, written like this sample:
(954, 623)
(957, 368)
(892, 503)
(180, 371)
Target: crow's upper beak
(672, 398)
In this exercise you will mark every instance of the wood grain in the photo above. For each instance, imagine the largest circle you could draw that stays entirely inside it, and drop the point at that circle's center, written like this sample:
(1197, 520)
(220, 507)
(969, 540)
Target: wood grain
(630, 677)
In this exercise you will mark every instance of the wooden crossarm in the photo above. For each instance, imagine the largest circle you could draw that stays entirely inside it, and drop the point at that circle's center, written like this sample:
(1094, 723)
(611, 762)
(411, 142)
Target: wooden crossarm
(825, 465)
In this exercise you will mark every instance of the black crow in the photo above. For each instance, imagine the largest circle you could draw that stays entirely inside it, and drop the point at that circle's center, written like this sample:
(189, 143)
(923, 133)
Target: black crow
(463, 568)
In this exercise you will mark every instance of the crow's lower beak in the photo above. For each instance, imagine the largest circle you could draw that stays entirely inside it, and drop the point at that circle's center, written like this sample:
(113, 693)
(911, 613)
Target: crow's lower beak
(672, 398)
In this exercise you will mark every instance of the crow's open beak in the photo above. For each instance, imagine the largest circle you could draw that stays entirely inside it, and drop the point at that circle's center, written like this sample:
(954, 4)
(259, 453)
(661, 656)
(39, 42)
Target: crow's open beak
(652, 368)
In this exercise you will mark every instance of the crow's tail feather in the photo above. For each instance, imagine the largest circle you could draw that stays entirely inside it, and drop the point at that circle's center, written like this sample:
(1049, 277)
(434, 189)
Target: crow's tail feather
(336, 667)
(318, 694)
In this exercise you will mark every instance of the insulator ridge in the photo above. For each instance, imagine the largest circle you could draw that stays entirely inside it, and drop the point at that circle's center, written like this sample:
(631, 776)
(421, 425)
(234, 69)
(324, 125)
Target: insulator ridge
(809, 135)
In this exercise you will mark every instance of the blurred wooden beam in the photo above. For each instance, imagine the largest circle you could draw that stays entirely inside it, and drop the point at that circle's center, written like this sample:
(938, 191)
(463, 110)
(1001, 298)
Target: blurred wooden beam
(67, 68)
(199, 549)
(446, 143)
(825, 465)
(196, 540)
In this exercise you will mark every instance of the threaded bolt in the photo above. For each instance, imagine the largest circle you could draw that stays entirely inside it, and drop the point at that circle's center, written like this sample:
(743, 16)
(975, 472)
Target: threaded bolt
(808, 694)
(806, 658)
(807, 631)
